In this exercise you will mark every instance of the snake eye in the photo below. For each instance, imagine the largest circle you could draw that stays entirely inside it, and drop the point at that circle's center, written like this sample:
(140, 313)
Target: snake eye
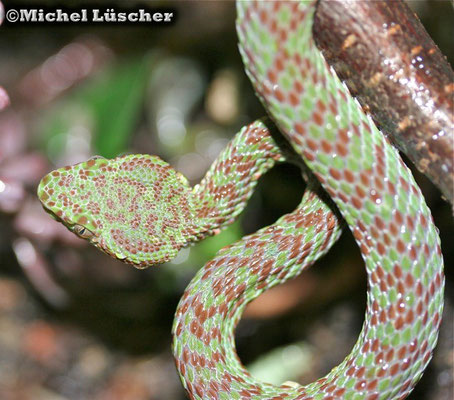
(82, 232)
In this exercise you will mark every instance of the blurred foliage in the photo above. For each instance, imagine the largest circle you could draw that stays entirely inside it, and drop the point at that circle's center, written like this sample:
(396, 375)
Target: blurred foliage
(111, 102)
(116, 102)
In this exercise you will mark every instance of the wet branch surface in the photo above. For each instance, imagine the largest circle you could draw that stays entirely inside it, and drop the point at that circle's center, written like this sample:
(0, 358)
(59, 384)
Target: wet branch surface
(398, 74)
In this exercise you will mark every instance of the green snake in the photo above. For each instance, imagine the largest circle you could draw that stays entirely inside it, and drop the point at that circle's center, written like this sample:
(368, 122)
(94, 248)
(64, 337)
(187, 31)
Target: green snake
(140, 210)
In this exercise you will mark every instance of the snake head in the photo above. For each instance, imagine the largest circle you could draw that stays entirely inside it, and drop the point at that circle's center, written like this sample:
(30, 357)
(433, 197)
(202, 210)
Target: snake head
(136, 208)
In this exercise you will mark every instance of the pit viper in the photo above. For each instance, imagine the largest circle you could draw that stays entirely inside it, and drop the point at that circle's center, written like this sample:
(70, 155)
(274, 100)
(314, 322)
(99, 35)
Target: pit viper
(140, 210)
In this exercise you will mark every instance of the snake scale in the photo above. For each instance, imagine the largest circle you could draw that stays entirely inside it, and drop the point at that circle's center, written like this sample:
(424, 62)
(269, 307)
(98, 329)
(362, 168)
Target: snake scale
(138, 209)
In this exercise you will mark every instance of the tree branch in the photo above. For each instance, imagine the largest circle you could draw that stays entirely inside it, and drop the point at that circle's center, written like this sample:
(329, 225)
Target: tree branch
(389, 62)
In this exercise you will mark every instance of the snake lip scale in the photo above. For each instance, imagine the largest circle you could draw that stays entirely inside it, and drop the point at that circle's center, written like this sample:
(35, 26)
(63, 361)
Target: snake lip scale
(137, 208)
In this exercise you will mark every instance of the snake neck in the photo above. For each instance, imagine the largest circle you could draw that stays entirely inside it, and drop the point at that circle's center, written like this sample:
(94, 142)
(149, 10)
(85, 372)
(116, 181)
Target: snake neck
(224, 191)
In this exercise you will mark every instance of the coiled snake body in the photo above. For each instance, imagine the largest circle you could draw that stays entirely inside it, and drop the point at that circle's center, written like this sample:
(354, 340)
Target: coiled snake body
(138, 209)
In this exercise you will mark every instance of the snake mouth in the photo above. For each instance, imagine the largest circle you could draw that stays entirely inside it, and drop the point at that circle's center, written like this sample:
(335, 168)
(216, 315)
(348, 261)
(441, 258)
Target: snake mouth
(100, 244)
(57, 217)
(51, 214)
(79, 230)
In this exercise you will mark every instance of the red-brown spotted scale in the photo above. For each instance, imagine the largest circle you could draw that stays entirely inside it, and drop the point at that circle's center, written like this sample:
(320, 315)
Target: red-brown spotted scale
(137, 208)
(376, 195)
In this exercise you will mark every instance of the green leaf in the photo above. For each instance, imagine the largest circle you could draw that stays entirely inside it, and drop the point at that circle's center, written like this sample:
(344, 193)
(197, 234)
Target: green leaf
(116, 102)
(108, 106)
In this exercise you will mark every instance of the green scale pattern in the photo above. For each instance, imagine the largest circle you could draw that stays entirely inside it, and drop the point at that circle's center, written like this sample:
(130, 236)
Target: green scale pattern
(378, 199)
(138, 209)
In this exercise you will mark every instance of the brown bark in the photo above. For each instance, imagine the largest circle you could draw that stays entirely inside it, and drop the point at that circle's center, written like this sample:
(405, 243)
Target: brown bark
(389, 62)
